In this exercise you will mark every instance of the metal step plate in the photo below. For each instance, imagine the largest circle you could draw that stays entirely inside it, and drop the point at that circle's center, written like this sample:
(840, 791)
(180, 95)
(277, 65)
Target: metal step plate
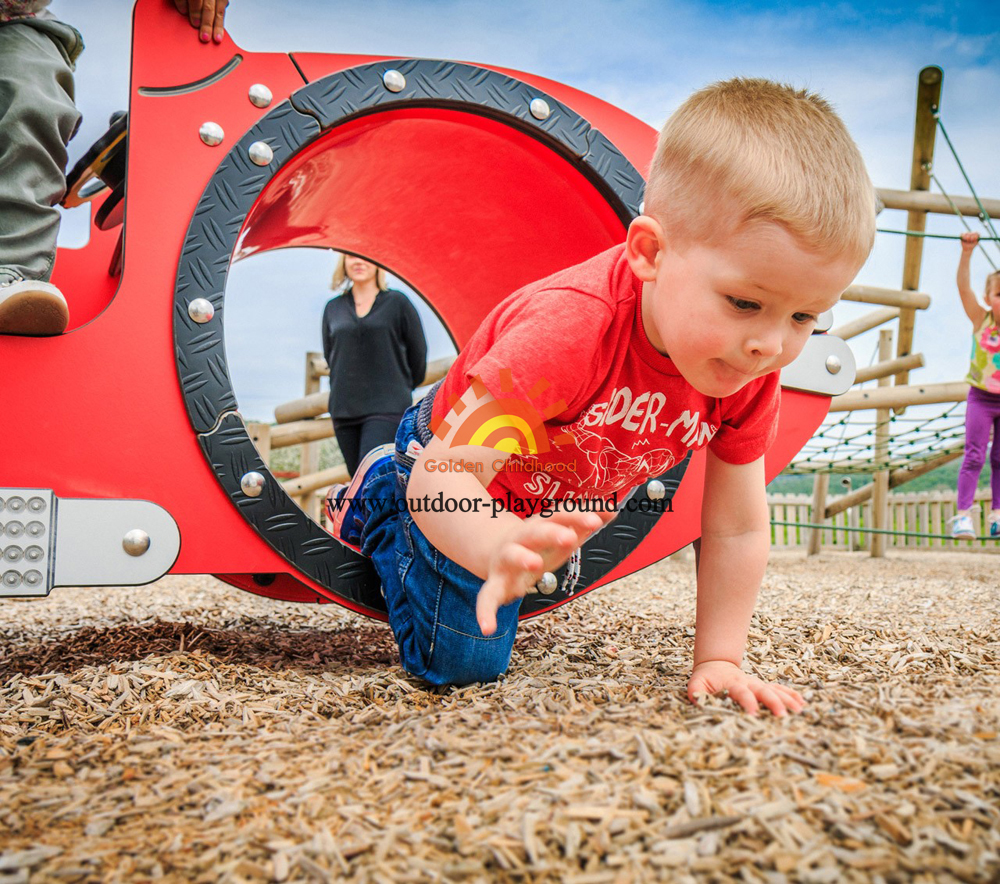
(47, 541)
(27, 522)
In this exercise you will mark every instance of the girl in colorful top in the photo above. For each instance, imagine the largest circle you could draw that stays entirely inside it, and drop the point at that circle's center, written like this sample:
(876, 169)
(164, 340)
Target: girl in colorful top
(982, 412)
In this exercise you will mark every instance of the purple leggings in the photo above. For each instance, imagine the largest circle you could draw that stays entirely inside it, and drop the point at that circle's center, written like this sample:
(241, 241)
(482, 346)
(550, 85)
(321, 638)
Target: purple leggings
(982, 413)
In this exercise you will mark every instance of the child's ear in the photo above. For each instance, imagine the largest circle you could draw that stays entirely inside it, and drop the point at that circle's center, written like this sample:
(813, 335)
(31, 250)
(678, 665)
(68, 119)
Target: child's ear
(643, 245)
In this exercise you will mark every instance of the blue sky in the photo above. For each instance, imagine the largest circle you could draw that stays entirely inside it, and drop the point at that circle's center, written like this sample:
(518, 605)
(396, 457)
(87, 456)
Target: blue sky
(646, 57)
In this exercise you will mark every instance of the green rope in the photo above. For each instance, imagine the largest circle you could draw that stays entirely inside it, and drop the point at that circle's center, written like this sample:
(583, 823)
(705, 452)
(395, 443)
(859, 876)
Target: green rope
(836, 528)
(983, 216)
(961, 217)
(936, 235)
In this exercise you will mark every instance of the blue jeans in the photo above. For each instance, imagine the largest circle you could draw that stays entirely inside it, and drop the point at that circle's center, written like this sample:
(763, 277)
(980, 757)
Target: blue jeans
(430, 599)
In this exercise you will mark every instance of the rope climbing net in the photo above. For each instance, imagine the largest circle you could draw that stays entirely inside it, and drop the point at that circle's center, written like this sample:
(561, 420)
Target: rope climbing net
(845, 442)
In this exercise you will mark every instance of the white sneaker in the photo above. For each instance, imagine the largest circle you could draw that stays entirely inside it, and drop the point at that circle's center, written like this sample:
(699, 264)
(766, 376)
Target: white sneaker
(29, 307)
(961, 527)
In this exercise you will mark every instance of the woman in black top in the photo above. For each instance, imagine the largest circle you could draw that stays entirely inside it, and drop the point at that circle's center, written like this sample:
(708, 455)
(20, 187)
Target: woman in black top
(374, 344)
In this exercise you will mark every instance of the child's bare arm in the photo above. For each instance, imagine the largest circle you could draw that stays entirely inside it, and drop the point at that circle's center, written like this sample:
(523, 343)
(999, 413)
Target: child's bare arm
(509, 553)
(734, 546)
(973, 309)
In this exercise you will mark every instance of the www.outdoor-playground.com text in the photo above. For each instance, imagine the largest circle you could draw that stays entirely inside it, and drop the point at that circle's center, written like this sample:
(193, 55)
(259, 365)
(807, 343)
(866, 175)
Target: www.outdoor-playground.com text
(545, 507)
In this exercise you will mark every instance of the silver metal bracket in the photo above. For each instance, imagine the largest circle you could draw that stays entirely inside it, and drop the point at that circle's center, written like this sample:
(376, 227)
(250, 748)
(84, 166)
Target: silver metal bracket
(825, 365)
(47, 541)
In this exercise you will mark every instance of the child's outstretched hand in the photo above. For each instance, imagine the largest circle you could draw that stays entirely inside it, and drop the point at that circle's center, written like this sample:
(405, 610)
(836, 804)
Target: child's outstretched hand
(969, 241)
(206, 15)
(714, 676)
(539, 545)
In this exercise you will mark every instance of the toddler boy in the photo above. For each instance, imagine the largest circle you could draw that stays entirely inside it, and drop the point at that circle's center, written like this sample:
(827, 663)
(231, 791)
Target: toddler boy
(758, 214)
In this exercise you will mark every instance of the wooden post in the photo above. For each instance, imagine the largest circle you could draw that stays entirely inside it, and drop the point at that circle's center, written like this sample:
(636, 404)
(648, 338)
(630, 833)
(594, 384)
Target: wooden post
(820, 487)
(310, 450)
(924, 133)
(880, 494)
(260, 435)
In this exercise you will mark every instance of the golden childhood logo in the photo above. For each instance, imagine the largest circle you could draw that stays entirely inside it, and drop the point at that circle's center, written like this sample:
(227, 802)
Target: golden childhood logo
(507, 424)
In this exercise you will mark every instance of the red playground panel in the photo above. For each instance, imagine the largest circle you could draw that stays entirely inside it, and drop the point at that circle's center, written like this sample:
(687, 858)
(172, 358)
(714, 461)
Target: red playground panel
(512, 177)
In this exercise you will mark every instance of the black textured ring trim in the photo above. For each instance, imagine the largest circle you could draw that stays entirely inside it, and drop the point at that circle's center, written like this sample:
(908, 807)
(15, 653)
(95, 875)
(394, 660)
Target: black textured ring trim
(211, 241)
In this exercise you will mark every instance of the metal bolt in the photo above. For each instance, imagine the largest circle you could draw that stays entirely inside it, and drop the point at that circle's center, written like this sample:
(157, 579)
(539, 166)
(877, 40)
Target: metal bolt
(261, 153)
(540, 109)
(833, 364)
(252, 484)
(548, 584)
(260, 95)
(136, 542)
(655, 490)
(394, 81)
(211, 133)
(201, 310)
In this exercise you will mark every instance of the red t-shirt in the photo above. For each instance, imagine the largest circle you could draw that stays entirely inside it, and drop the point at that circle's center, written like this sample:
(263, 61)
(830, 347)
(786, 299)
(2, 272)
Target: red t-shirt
(606, 402)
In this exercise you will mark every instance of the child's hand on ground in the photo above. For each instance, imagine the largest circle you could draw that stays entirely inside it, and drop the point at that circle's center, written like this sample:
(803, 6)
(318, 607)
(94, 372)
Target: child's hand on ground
(539, 545)
(969, 241)
(206, 15)
(714, 676)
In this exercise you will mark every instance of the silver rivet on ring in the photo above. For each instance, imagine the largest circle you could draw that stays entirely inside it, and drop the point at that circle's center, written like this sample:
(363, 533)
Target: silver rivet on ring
(540, 109)
(252, 484)
(201, 310)
(261, 153)
(394, 81)
(548, 584)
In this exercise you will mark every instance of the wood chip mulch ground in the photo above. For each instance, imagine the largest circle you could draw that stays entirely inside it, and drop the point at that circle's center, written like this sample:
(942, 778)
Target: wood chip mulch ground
(187, 731)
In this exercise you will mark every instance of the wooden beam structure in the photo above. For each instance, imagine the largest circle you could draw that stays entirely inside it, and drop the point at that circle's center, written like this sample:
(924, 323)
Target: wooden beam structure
(859, 326)
(900, 397)
(937, 203)
(897, 477)
(870, 294)
(880, 369)
(924, 133)
(318, 403)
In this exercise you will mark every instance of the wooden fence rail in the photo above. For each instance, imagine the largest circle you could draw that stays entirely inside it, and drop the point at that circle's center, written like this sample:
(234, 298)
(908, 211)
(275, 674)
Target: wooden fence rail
(913, 513)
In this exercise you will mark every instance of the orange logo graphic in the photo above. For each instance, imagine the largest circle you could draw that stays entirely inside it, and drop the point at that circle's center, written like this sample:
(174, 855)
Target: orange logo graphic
(508, 424)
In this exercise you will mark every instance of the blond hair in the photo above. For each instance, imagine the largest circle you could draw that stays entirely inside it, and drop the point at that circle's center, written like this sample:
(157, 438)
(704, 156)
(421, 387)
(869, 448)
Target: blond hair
(743, 150)
(989, 279)
(340, 279)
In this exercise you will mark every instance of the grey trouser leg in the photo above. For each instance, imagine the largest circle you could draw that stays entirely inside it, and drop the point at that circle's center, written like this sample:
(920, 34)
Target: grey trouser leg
(37, 119)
